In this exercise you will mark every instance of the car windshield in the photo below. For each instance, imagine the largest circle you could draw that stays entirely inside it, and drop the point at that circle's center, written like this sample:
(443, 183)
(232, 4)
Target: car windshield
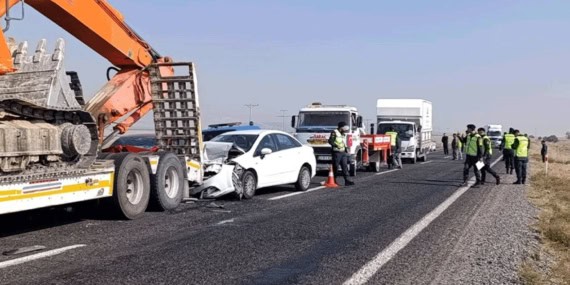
(322, 120)
(244, 142)
(405, 131)
(494, 133)
(138, 141)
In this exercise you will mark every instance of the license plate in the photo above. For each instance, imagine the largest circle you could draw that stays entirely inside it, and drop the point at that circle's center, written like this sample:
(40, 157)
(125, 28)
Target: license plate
(325, 157)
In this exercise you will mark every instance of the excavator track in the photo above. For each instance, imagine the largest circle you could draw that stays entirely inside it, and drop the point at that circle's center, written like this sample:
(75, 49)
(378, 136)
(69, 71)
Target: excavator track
(44, 131)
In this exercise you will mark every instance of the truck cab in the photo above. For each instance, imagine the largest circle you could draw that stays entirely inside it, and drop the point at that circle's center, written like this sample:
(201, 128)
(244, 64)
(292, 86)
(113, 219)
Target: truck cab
(314, 124)
(495, 133)
(412, 120)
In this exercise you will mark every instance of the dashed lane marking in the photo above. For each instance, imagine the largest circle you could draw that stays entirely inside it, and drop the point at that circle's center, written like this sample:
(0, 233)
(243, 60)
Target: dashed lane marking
(296, 193)
(37, 256)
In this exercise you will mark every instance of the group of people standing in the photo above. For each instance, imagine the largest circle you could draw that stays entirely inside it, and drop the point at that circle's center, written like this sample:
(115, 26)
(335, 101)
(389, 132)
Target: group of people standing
(478, 147)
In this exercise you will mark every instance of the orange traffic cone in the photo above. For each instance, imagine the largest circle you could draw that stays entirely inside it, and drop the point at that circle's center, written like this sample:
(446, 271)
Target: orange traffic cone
(330, 181)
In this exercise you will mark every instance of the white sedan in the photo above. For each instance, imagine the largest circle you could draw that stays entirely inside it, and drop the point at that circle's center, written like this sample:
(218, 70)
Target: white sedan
(243, 161)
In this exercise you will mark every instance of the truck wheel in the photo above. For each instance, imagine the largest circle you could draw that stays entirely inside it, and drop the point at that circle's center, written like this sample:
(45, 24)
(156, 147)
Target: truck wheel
(131, 185)
(425, 157)
(167, 185)
(304, 179)
(249, 184)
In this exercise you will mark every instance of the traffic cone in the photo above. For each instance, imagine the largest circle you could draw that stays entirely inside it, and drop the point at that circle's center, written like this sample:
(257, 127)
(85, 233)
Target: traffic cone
(330, 181)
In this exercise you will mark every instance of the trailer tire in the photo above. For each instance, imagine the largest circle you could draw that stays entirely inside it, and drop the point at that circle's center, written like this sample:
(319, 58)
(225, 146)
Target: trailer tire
(249, 181)
(304, 179)
(374, 167)
(131, 185)
(167, 185)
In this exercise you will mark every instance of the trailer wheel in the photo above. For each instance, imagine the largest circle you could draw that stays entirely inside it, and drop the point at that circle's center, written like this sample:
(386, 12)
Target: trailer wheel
(167, 184)
(304, 179)
(131, 185)
(249, 181)
(374, 167)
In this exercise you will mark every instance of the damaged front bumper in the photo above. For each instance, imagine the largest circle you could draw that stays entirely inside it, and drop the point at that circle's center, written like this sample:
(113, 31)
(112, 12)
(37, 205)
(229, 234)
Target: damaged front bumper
(222, 175)
(226, 181)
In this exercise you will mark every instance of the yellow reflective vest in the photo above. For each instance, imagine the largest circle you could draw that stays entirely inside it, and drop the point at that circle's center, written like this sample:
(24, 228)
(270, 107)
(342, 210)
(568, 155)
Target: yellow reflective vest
(472, 144)
(522, 148)
(393, 136)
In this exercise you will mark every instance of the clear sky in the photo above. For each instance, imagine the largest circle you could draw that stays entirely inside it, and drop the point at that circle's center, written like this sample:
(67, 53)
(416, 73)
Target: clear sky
(499, 62)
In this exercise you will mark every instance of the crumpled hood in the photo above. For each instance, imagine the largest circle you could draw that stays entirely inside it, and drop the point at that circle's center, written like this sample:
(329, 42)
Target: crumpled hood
(216, 152)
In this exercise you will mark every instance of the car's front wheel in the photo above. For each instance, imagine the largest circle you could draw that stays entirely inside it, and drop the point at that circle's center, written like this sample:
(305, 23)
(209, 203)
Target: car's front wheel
(249, 182)
(304, 179)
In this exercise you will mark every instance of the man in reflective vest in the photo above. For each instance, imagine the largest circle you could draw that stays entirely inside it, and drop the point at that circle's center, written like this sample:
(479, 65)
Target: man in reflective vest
(395, 158)
(521, 145)
(473, 153)
(487, 155)
(340, 154)
(508, 152)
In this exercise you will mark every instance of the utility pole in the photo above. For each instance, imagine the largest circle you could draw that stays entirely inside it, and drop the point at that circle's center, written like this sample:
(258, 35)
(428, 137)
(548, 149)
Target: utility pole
(251, 106)
(283, 118)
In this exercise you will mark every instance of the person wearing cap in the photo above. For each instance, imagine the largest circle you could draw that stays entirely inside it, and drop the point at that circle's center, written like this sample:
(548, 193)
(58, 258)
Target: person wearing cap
(508, 152)
(340, 154)
(521, 147)
(487, 155)
(395, 145)
(473, 154)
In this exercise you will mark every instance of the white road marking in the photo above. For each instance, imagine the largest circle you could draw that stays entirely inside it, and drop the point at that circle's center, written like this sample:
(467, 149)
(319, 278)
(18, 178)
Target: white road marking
(449, 156)
(369, 269)
(296, 193)
(388, 171)
(36, 256)
(225, 222)
(426, 162)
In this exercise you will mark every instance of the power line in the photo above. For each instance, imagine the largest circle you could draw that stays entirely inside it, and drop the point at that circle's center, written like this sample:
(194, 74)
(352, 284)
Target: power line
(251, 106)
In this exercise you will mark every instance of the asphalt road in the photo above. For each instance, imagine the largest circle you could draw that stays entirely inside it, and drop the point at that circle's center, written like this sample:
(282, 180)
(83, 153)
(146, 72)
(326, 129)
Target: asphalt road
(323, 236)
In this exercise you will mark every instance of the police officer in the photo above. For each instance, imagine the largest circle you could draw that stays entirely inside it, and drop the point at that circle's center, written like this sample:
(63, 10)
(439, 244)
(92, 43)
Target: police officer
(508, 153)
(487, 155)
(473, 153)
(521, 147)
(340, 154)
(395, 144)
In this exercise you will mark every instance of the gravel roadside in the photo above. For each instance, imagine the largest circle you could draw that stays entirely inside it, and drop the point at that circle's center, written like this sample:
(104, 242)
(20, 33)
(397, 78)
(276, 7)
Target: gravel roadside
(496, 240)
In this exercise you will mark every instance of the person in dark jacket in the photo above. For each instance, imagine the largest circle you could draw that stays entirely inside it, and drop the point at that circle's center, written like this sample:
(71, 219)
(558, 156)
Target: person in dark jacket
(445, 142)
(544, 151)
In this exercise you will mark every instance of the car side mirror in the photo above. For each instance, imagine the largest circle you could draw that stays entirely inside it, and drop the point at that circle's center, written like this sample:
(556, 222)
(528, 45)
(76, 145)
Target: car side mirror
(293, 121)
(265, 151)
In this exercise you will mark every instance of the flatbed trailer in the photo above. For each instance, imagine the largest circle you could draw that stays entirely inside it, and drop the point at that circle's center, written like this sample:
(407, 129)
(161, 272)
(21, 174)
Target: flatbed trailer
(375, 151)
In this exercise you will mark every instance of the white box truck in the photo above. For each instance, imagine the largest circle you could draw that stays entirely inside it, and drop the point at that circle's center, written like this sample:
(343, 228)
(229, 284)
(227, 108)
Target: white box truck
(316, 121)
(495, 133)
(412, 119)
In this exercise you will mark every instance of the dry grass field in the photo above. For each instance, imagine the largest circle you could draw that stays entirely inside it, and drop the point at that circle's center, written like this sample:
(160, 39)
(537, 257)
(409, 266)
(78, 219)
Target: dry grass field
(550, 193)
